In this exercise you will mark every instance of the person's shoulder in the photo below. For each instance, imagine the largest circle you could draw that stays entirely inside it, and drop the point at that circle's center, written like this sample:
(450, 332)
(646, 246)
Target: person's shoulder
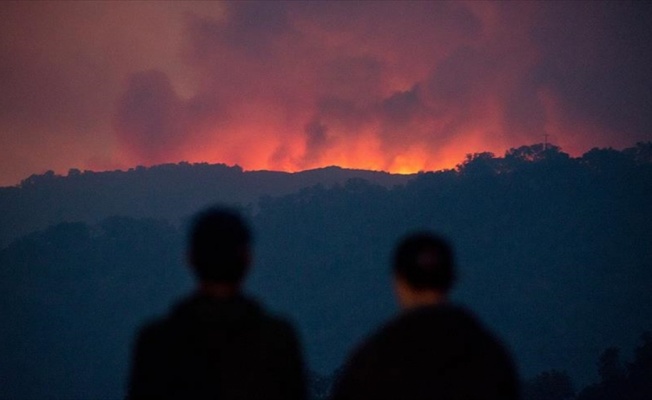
(439, 328)
(372, 360)
(375, 346)
(464, 323)
(154, 330)
(429, 319)
(155, 326)
(278, 336)
(277, 324)
(394, 336)
(481, 338)
(158, 328)
(419, 342)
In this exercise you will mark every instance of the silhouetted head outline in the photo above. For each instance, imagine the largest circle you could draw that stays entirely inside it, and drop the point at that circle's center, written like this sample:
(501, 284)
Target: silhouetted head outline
(425, 261)
(219, 245)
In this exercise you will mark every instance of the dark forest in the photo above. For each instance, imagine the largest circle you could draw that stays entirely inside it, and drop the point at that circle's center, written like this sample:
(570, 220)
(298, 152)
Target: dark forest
(554, 253)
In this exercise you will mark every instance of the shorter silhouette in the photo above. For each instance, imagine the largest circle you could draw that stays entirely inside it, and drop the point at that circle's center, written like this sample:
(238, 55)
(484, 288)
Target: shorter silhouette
(432, 350)
(218, 343)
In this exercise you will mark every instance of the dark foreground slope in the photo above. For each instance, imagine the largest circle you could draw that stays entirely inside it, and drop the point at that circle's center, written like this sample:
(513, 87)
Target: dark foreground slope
(554, 254)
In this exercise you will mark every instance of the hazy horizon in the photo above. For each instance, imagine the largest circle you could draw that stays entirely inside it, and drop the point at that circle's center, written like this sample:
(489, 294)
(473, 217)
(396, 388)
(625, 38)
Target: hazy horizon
(65, 173)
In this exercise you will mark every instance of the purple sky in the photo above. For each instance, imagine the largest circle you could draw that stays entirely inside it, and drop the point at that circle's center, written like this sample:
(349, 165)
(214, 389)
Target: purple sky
(396, 86)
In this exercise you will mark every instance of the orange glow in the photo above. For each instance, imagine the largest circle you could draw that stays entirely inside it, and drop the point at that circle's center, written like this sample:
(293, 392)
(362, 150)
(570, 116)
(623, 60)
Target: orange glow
(267, 152)
(395, 86)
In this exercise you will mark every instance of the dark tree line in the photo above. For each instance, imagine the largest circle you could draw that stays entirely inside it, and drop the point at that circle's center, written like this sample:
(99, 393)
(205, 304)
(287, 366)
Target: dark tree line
(168, 191)
(626, 381)
(617, 380)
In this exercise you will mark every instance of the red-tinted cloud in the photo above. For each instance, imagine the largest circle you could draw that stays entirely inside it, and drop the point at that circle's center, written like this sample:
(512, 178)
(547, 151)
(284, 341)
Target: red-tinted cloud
(390, 85)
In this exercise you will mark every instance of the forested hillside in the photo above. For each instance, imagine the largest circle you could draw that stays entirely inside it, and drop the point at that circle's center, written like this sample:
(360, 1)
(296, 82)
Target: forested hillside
(168, 191)
(554, 255)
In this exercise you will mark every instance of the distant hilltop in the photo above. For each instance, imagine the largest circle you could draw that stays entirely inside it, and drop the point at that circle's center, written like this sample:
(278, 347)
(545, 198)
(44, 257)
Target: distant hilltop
(167, 191)
(325, 175)
(175, 191)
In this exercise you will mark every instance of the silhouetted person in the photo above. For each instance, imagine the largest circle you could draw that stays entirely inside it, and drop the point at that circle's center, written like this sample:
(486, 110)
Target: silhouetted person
(217, 343)
(432, 350)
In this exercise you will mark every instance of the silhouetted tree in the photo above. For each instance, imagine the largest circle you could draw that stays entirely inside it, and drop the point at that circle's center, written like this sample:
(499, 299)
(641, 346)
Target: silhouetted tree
(619, 383)
(610, 368)
(480, 164)
(641, 153)
(640, 370)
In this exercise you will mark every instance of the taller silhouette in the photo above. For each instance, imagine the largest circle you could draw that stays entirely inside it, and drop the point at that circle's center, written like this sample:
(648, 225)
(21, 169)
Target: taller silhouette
(432, 350)
(217, 343)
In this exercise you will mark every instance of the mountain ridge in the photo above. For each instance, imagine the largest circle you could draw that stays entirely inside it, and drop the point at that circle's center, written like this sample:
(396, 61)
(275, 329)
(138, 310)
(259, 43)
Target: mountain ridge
(168, 191)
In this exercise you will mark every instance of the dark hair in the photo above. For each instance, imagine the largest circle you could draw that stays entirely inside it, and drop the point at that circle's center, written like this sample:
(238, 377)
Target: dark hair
(425, 261)
(219, 242)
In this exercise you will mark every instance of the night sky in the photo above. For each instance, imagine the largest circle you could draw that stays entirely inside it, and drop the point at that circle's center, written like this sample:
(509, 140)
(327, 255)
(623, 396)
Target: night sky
(392, 86)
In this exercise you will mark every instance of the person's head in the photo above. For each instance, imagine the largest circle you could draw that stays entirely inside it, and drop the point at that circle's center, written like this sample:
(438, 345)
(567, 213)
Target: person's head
(423, 268)
(219, 246)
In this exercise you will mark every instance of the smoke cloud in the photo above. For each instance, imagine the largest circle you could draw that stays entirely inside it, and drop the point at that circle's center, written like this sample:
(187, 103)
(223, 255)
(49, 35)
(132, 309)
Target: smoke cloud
(398, 86)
